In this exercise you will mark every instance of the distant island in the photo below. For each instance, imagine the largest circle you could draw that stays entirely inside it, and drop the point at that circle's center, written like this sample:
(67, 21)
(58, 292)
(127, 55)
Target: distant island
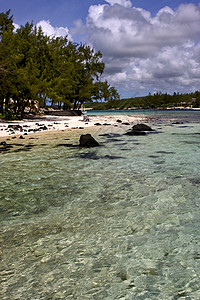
(156, 101)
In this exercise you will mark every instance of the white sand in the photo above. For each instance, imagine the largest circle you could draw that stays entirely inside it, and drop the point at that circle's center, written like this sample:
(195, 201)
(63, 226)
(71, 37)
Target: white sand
(62, 123)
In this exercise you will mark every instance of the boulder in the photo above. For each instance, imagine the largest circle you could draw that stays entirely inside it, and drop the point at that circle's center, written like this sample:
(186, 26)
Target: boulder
(141, 127)
(86, 140)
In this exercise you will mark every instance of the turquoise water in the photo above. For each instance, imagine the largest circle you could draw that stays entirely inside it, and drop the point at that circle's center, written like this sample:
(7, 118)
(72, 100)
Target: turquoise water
(120, 221)
(189, 115)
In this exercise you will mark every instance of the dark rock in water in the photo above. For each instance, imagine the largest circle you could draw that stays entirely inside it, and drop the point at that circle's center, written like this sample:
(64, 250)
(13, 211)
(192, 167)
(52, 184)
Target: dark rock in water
(90, 155)
(97, 124)
(119, 121)
(165, 152)
(93, 156)
(141, 127)
(135, 132)
(21, 137)
(176, 123)
(113, 157)
(125, 123)
(105, 134)
(195, 181)
(5, 147)
(86, 140)
(110, 135)
(22, 150)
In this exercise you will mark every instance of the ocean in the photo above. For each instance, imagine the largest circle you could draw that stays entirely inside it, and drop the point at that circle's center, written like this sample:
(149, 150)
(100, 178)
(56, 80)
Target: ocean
(119, 221)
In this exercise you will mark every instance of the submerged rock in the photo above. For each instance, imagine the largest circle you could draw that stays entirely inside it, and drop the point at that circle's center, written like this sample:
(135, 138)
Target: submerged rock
(86, 140)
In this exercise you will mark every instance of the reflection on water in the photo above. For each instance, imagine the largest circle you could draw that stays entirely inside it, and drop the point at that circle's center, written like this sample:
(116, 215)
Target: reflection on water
(120, 221)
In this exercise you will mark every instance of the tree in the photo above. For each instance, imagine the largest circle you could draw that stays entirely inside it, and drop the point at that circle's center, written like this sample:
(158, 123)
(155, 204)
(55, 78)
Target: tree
(6, 64)
(36, 67)
(6, 22)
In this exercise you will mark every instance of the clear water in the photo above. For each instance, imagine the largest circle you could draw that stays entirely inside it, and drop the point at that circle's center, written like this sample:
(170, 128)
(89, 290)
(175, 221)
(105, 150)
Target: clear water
(120, 221)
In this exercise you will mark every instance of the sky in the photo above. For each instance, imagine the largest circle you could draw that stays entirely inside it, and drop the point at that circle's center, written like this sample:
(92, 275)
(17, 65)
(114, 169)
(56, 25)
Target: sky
(148, 46)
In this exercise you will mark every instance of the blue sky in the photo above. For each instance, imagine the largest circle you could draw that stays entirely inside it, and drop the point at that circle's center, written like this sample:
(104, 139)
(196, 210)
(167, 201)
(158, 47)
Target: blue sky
(147, 45)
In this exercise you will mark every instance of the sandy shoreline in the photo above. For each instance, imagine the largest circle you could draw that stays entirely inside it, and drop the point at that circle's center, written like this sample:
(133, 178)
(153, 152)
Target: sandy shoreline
(47, 124)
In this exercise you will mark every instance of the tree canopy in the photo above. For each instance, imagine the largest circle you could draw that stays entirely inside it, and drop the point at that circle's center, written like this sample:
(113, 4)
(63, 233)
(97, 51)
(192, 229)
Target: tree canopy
(34, 66)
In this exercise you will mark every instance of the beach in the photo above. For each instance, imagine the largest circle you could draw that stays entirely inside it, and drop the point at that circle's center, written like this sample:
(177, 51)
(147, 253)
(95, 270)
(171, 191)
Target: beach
(49, 124)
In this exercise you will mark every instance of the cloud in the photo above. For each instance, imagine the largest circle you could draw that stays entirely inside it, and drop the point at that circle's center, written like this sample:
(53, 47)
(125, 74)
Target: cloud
(125, 3)
(16, 26)
(49, 30)
(160, 52)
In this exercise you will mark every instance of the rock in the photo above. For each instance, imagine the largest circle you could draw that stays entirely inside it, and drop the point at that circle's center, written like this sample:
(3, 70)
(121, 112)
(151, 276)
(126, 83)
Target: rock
(43, 128)
(86, 140)
(139, 129)
(15, 127)
(119, 121)
(3, 143)
(135, 132)
(21, 137)
(142, 127)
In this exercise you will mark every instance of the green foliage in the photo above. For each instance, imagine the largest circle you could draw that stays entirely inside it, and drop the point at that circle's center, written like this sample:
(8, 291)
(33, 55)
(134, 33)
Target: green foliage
(36, 67)
(6, 22)
(9, 115)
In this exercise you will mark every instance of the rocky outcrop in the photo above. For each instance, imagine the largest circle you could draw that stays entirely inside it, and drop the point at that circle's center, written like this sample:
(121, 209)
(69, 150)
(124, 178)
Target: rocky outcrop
(86, 140)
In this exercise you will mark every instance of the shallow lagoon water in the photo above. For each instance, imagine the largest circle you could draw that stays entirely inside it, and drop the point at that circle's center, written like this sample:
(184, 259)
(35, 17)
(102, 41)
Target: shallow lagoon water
(120, 221)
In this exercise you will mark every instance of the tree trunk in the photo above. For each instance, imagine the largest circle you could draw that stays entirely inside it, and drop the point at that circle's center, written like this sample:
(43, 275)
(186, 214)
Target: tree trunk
(1, 105)
(22, 110)
(75, 104)
(6, 102)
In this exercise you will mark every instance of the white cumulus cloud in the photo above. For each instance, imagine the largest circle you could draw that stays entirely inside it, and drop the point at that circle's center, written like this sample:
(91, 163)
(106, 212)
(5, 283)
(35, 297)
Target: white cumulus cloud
(160, 52)
(49, 30)
(125, 3)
